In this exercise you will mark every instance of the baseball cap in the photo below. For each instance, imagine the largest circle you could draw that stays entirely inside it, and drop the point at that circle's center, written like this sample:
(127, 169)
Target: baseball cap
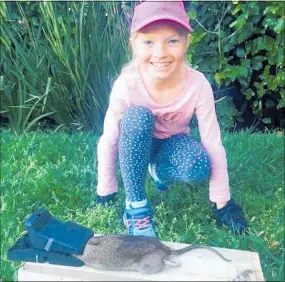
(148, 12)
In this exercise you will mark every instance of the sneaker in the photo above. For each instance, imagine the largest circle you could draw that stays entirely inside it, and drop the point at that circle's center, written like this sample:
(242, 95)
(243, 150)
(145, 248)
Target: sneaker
(232, 216)
(138, 221)
(159, 185)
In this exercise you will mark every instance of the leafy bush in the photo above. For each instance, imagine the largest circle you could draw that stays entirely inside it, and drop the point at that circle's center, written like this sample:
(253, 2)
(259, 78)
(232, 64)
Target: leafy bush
(227, 113)
(242, 44)
(227, 116)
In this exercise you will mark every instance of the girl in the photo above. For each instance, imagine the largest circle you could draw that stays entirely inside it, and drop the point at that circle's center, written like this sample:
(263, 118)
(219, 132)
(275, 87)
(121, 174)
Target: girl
(146, 124)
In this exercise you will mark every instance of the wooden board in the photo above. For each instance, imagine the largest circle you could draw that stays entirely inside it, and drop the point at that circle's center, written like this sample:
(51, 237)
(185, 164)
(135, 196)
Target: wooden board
(196, 265)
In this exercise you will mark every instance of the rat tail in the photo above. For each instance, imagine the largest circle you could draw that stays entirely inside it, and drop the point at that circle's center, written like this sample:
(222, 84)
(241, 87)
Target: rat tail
(193, 247)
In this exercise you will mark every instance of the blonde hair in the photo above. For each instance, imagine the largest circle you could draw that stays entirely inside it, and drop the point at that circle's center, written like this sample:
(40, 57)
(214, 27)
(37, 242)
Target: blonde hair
(131, 65)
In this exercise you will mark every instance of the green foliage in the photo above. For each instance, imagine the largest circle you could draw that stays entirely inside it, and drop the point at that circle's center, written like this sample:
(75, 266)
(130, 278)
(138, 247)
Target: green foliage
(23, 95)
(71, 47)
(242, 44)
(59, 59)
(227, 115)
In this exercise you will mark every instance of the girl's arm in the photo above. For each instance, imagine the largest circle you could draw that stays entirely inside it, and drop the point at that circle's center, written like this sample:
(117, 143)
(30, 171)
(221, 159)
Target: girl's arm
(107, 148)
(210, 134)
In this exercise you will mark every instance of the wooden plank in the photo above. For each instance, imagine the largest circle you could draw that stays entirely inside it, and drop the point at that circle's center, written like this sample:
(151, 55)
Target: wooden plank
(257, 267)
(196, 265)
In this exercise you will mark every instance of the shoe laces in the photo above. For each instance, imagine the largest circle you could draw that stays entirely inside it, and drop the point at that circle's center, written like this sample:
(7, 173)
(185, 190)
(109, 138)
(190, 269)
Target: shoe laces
(139, 222)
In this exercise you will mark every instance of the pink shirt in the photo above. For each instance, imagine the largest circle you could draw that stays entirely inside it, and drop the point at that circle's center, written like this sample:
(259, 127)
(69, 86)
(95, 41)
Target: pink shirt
(173, 118)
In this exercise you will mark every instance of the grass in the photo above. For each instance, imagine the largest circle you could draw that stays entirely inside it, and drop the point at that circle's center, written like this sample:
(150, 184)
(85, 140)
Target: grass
(55, 171)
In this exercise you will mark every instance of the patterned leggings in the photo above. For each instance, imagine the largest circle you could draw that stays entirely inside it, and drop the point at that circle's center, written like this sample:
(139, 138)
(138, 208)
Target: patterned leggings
(177, 158)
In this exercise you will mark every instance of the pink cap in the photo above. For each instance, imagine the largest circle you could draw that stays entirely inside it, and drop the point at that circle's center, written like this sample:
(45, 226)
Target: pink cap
(148, 12)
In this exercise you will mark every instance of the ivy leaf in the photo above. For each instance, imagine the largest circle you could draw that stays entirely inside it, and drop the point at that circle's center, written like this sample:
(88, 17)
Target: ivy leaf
(243, 81)
(261, 93)
(237, 71)
(257, 65)
(257, 62)
(254, 8)
(271, 10)
(240, 52)
(269, 22)
(248, 94)
(279, 25)
(272, 85)
(258, 85)
(245, 63)
(219, 76)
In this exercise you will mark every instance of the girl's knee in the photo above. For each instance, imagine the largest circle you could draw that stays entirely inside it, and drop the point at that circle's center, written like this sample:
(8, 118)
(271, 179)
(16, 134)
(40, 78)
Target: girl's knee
(137, 118)
(136, 112)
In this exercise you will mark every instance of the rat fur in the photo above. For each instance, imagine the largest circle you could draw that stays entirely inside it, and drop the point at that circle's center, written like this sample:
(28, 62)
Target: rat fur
(146, 255)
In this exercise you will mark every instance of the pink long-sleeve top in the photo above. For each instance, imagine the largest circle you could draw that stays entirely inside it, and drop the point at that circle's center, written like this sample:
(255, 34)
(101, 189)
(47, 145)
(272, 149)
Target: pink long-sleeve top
(170, 119)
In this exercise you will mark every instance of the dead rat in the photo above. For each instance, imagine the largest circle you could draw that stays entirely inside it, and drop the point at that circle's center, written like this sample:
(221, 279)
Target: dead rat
(144, 254)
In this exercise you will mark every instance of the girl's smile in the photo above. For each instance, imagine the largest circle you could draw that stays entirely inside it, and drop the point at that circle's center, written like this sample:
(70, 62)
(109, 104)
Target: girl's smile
(161, 66)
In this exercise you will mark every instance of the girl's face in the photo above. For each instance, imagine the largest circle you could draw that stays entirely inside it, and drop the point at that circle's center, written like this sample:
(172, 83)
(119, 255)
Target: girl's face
(159, 50)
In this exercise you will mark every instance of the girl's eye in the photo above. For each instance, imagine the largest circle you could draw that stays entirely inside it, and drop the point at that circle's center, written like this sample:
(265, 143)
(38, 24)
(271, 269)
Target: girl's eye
(173, 41)
(147, 42)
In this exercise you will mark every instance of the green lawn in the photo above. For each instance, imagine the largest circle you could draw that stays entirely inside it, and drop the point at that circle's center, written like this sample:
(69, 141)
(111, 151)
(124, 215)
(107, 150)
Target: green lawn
(55, 171)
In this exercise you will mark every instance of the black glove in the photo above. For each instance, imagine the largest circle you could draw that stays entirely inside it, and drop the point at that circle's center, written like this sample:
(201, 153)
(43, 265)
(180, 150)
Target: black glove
(232, 216)
(105, 199)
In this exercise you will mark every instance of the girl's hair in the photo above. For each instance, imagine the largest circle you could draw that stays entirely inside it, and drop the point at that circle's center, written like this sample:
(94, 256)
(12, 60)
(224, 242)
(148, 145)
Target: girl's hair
(131, 65)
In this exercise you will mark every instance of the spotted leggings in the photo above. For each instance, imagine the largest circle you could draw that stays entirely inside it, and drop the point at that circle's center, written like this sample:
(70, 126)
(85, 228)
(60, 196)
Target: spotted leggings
(177, 158)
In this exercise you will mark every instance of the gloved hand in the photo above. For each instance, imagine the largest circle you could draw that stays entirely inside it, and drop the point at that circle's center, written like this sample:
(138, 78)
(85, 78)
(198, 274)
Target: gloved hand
(232, 216)
(105, 199)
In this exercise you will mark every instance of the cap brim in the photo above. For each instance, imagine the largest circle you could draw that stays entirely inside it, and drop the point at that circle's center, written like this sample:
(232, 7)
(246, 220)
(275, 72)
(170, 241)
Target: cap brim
(160, 17)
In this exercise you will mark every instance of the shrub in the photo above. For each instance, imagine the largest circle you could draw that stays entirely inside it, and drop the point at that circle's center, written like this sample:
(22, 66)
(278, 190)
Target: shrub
(242, 44)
